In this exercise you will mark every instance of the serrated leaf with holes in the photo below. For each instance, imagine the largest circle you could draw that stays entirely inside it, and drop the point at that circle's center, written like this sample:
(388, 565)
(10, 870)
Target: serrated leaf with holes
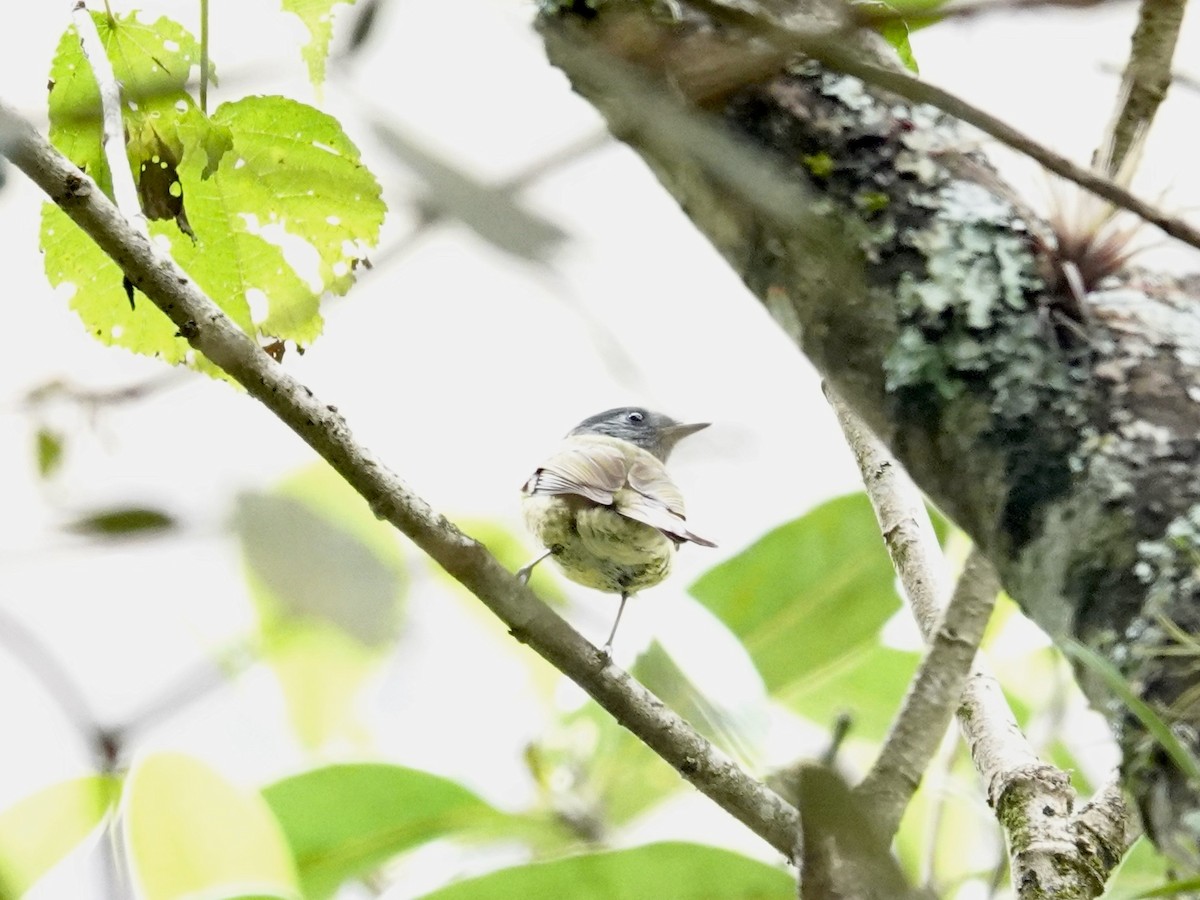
(266, 187)
(317, 16)
(152, 61)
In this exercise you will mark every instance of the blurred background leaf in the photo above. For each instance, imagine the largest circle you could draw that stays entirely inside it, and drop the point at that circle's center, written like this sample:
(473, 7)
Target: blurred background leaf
(122, 522)
(675, 870)
(328, 582)
(343, 821)
(189, 832)
(737, 731)
(38, 831)
(49, 450)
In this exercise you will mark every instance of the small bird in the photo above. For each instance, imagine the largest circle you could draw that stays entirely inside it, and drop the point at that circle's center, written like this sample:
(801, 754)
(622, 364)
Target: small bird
(604, 507)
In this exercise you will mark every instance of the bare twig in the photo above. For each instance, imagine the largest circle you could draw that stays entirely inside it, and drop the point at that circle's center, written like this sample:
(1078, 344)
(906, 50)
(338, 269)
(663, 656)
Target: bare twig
(933, 696)
(92, 400)
(199, 681)
(1051, 847)
(49, 672)
(911, 541)
(834, 54)
(1146, 79)
(1051, 850)
(495, 214)
(212, 333)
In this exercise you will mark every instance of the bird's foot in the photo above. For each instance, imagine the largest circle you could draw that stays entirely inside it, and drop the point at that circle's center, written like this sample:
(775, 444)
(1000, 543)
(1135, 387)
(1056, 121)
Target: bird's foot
(525, 571)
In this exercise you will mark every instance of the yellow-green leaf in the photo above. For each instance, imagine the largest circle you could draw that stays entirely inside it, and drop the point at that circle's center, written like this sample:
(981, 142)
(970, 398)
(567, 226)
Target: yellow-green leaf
(321, 671)
(266, 204)
(317, 16)
(43, 828)
(49, 452)
(188, 831)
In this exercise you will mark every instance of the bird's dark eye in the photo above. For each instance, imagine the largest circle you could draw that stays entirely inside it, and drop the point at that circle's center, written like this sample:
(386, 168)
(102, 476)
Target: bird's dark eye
(635, 417)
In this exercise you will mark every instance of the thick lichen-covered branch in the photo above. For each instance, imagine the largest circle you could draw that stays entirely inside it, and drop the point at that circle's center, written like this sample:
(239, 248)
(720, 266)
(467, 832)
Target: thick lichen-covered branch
(1059, 430)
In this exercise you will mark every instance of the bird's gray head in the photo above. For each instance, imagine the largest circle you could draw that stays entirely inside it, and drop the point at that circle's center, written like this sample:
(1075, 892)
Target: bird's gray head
(649, 430)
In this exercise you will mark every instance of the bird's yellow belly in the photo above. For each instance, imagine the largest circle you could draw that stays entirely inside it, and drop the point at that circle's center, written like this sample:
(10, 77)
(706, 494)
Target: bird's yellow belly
(596, 546)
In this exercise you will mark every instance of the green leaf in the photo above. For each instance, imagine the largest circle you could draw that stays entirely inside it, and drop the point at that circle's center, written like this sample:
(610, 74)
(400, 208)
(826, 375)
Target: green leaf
(151, 60)
(293, 168)
(588, 763)
(49, 452)
(1142, 872)
(317, 16)
(321, 671)
(188, 830)
(343, 821)
(266, 205)
(675, 870)
(896, 34)
(868, 684)
(885, 21)
(734, 731)
(44, 827)
(895, 20)
(124, 522)
(808, 600)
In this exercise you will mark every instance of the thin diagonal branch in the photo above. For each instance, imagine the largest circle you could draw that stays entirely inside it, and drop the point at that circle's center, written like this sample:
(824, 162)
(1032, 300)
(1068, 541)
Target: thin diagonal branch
(907, 531)
(933, 696)
(212, 333)
(1147, 77)
(52, 675)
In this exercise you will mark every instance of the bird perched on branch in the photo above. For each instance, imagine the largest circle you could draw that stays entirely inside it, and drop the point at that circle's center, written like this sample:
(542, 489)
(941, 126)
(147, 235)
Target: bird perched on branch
(604, 507)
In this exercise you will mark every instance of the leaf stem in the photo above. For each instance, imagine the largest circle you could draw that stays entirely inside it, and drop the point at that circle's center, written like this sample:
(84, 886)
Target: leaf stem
(204, 56)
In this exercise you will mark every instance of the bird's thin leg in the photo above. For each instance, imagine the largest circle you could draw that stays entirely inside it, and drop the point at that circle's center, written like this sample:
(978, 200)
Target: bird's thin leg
(524, 572)
(606, 650)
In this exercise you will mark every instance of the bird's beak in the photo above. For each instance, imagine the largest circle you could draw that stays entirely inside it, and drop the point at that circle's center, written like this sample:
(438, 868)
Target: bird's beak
(673, 434)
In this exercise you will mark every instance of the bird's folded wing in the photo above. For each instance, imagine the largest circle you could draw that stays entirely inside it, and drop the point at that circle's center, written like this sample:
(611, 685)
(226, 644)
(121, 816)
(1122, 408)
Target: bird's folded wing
(593, 471)
(654, 499)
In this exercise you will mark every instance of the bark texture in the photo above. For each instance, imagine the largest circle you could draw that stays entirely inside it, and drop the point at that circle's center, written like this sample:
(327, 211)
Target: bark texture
(1062, 437)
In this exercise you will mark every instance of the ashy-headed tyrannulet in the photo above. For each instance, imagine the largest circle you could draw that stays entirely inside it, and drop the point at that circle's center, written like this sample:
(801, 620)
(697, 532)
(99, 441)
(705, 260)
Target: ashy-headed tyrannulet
(604, 507)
